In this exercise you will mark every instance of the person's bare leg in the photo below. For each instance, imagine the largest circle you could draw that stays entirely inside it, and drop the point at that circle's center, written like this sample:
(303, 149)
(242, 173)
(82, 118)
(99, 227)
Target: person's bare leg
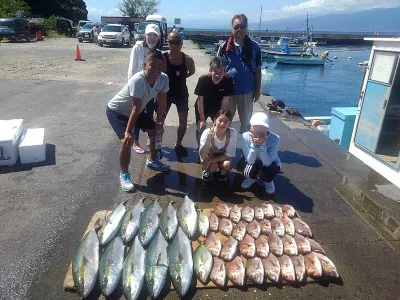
(183, 115)
(124, 157)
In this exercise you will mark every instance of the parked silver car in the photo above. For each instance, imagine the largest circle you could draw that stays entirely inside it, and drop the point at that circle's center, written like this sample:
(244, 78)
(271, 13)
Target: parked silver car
(114, 34)
(86, 33)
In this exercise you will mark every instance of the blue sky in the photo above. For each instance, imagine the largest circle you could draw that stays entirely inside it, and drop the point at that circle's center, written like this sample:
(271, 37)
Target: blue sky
(206, 13)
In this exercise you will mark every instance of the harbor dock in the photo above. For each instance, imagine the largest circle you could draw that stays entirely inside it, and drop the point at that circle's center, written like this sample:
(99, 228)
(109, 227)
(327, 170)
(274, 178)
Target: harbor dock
(353, 212)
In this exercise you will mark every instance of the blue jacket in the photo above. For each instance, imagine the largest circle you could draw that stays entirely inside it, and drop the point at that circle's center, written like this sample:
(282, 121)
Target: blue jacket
(267, 153)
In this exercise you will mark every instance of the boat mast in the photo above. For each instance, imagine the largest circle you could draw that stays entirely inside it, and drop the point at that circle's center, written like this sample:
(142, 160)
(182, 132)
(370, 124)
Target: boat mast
(259, 25)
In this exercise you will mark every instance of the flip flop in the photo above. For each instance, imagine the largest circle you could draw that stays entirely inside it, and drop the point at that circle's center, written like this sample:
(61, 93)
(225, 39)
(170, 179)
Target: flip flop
(138, 150)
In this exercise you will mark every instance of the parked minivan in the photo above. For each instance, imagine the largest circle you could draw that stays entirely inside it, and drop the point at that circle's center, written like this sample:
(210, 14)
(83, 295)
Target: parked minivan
(162, 24)
(14, 29)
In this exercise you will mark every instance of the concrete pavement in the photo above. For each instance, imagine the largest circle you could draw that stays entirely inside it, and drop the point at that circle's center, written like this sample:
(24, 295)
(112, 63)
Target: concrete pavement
(46, 207)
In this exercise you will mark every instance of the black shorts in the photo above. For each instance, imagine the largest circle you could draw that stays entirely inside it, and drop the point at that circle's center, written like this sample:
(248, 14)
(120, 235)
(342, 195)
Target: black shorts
(119, 122)
(209, 113)
(181, 102)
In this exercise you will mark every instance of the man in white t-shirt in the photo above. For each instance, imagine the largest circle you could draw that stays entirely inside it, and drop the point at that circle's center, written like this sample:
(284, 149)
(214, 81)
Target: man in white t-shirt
(125, 110)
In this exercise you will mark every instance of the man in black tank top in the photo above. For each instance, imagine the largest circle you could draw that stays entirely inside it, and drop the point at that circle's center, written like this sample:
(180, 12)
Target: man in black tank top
(178, 67)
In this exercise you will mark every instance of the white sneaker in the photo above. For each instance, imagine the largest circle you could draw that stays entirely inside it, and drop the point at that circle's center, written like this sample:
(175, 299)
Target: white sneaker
(247, 183)
(126, 183)
(269, 187)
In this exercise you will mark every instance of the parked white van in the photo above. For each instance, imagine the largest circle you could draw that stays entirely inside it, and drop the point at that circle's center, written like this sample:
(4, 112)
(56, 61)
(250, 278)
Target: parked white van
(161, 22)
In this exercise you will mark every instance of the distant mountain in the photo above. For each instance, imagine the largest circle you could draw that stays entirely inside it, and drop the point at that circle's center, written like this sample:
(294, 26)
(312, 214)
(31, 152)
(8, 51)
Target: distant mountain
(380, 20)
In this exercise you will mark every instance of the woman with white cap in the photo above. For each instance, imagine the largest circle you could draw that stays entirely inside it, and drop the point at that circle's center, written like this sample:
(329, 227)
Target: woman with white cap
(136, 63)
(260, 149)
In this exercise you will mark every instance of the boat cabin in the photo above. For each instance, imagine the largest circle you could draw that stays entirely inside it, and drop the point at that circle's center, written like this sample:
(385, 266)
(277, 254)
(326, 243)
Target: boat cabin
(376, 133)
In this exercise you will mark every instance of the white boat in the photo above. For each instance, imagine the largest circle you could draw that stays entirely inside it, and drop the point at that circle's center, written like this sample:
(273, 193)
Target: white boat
(305, 60)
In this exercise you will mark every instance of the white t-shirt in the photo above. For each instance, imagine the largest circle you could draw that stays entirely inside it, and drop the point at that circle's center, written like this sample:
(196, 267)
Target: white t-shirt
(137, 58)
(220, 144)
(138, 87)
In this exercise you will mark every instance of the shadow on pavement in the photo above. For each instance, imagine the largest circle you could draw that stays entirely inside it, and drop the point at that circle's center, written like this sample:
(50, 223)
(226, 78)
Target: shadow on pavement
(290, 157)
(50, 160)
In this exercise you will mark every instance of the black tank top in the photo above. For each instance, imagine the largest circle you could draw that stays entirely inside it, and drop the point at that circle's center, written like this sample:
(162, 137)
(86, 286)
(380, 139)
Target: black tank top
(177, 77)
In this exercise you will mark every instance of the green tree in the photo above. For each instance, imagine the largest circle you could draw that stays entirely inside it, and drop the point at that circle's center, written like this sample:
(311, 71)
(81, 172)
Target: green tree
(138, 8)
(14, 8)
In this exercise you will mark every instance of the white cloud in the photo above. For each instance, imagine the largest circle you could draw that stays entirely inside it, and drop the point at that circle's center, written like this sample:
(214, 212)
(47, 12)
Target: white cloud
(220, 13)
(323, 7)
(104, 12)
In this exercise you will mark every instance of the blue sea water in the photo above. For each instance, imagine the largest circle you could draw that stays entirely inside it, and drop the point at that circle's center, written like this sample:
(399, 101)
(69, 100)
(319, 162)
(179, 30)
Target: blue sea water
(314, 90)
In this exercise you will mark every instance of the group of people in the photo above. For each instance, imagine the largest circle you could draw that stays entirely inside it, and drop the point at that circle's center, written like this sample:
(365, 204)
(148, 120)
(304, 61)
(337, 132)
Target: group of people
(156, 81)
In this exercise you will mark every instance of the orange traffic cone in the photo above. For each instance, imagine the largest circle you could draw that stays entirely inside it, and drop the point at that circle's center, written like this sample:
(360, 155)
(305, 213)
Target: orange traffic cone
(37, 35)
(40, 36)
(78, 54)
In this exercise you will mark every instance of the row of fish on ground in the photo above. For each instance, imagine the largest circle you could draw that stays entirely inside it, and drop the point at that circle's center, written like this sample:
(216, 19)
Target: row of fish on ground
(264, 243)
(162, 246)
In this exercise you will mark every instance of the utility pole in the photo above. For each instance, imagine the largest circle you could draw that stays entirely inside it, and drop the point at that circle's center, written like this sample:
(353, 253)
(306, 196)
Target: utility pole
(259, 26)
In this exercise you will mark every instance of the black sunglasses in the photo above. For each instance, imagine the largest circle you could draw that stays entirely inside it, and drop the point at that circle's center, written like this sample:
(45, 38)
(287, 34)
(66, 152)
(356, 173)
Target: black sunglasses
(239, 27)
(175, 42)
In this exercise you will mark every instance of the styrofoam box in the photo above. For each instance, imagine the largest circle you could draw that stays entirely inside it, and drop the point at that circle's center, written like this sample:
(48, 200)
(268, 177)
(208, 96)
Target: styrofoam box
(32, 148)
(10, 133)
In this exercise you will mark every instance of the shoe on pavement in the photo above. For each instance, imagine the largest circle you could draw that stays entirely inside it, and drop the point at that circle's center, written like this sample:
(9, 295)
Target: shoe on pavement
(181, 151)
(126, 183)
(247, 183)
(222, 175)
(206, 175)
(157, 165)
(269, 187)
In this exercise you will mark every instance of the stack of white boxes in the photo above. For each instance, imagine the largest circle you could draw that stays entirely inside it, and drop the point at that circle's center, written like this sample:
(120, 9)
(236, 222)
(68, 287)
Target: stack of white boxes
(32, 148)
(15, 141)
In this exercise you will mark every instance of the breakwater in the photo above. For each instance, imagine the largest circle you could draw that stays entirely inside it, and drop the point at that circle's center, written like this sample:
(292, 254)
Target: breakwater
(328, 38)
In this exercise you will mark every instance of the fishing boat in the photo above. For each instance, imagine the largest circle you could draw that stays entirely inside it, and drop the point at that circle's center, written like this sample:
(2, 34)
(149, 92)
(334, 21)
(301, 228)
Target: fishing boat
(307, 60)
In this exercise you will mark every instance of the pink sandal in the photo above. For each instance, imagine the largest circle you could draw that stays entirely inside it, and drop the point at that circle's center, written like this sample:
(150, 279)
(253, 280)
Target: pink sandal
(138, 149)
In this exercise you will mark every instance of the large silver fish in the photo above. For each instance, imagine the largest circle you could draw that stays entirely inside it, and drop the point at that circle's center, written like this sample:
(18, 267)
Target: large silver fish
(169, 221)
(187, 217)
(112, 224)
(218, 272)
(85, 264)
(202, 263)
(156, 262)
(180, 262)
(213, 243)
(315, 247)
(111, 266)
(272, 268)
(131, 222)
(204, 225)
(278, 210)
(255, 270)
(133, 271)
(236, 271)
(149, 222)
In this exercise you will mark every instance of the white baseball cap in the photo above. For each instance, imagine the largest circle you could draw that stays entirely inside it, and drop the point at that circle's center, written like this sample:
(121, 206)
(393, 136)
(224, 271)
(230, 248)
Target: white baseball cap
(152, 28)
(260, 118)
